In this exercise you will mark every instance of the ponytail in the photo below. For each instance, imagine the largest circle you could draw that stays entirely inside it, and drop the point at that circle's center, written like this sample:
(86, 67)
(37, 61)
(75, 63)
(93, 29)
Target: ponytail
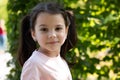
(27, 44)
(71, 37)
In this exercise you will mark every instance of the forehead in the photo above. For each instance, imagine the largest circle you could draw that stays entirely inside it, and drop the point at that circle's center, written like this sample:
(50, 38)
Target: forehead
(44, 16)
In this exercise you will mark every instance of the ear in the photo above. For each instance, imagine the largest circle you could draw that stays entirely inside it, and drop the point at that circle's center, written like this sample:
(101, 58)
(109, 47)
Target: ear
(33, 35)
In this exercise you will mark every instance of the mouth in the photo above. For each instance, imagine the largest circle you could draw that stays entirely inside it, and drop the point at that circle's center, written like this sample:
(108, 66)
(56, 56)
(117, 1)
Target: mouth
(53, 42)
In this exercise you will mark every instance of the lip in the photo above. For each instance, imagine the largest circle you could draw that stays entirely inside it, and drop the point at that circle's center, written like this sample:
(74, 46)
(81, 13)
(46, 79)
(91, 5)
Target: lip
(52, 42)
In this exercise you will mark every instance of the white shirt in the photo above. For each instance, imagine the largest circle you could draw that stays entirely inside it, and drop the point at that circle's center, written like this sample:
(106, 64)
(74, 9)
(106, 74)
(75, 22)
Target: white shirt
(42, 67)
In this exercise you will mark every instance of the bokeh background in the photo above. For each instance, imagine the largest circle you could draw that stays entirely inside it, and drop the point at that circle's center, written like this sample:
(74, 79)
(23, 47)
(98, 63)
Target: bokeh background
(97, 53)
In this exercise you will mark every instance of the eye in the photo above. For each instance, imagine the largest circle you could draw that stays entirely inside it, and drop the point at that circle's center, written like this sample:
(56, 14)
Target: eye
(44, 29)
(58, 28)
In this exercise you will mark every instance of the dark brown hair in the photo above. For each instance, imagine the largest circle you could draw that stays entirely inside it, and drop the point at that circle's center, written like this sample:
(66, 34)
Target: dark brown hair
(28, 45)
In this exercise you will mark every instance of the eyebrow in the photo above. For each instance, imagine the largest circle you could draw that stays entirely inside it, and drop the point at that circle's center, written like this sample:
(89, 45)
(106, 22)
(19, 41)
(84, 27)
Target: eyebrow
(43, 25)
(59, 25)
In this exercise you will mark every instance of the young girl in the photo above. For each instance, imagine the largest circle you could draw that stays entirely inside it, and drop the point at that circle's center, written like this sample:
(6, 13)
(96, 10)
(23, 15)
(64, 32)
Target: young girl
(52, 28)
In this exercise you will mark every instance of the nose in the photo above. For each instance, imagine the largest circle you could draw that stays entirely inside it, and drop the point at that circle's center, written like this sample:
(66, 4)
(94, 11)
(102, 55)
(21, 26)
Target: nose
(52, 34)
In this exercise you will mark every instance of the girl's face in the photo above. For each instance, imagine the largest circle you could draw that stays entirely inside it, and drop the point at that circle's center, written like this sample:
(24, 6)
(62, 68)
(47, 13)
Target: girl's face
(50, 32)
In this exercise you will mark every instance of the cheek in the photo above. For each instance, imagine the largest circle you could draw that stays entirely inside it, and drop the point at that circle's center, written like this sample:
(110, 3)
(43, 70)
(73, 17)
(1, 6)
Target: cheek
(39, 37)
(41, 40)
(63, 37)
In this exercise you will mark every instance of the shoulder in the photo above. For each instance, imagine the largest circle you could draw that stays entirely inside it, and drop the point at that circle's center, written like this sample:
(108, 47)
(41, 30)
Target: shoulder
(64, 61)
(33, 61)
(34, 58)
(30, 71)
(31, 68)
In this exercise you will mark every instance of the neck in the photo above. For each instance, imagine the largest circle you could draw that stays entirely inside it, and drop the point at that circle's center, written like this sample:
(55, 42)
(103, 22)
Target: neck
(49, 53)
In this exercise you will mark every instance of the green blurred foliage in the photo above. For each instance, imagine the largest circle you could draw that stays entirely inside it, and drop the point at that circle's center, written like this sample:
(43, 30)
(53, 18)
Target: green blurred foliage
(3, 9)
(98, 49)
